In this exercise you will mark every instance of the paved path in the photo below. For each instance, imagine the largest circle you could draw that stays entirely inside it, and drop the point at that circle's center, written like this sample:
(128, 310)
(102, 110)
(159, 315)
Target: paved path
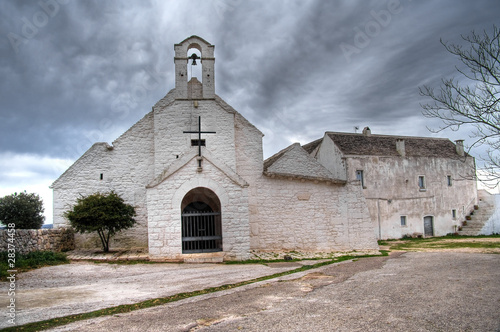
(409, 292)
(78, 287)
(114, 255)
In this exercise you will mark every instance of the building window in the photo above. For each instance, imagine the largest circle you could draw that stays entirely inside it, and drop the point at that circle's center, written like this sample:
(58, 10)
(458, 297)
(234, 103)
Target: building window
(360, 177)
(454, 214)
(403, 221)
(448, 180)
(102, 176)
(421, 182)
(194, 142)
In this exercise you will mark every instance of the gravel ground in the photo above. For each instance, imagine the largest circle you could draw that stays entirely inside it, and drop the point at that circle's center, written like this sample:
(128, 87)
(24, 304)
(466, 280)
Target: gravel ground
(62, 290)
(404, 292)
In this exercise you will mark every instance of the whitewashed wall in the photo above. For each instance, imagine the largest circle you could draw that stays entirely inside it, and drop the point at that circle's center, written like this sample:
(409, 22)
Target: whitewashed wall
(492, 225)
(309, 217)
(392, 191)
(180, 115)
(126, 167)
(164, 207)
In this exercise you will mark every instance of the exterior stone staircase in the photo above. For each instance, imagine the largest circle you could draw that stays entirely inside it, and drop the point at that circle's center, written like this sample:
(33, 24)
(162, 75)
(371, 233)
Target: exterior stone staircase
(479, 216)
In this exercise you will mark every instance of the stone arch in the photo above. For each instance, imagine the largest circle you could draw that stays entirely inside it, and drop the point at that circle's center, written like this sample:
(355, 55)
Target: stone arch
(198, 182)
(196, 46)
(195, 66)
(204, 195)
(181, 66)
(201, 221)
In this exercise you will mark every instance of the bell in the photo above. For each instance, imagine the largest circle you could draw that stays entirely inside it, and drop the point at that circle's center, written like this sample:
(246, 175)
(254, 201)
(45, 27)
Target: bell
(194, 57)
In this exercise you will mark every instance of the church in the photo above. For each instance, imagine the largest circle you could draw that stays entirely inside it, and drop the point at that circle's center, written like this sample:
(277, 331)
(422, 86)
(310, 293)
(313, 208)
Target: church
(193, 169)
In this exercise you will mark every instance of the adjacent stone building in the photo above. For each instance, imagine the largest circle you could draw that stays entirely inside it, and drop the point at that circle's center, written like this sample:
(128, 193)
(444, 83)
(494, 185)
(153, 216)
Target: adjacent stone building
(193, 167)
(412, 185)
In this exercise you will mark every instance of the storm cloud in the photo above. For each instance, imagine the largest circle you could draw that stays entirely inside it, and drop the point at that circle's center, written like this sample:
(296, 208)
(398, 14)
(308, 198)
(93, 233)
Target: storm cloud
(78, 72)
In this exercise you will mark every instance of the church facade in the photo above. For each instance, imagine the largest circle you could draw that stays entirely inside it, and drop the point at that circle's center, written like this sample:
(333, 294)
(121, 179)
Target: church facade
(193, 168)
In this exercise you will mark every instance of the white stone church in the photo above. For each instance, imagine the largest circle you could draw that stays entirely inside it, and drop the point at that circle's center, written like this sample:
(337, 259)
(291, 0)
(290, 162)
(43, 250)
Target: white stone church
(193, 168)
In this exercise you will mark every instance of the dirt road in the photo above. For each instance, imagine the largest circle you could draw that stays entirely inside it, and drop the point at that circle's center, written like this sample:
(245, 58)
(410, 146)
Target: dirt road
(415, 291)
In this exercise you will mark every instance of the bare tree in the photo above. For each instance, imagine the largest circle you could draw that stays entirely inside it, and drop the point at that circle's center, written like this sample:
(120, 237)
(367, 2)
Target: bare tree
(473, 100)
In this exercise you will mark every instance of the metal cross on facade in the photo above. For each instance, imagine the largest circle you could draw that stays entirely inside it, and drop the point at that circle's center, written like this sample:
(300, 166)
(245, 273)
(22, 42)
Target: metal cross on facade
(199, 132)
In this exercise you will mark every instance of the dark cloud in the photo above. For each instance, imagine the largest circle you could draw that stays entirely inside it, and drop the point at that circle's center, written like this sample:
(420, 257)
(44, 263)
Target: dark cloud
(77, 72)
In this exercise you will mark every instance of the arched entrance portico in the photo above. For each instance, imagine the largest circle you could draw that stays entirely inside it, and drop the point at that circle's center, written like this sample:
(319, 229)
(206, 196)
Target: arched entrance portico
(201, 221)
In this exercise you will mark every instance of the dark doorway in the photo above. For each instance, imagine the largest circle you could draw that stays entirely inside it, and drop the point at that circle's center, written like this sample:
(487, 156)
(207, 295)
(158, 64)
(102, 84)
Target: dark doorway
(201, 222)
(428, 226)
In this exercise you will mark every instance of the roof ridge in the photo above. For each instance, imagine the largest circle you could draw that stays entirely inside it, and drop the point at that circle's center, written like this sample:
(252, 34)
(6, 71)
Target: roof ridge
(386, 145)
(309, 147)
(384, 135)
(296, 163)
(271, 160)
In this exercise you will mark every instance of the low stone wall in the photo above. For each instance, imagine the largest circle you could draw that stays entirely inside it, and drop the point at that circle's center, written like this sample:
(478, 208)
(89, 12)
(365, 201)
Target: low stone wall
(28, 240)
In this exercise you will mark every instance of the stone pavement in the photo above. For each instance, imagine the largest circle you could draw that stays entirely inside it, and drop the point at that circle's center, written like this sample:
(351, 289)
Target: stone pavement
(140, 254)
(415, 291)
(98, 255)
(85, 286)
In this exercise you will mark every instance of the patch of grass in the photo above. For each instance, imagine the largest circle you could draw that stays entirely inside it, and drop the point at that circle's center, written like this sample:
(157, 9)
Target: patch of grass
(471, 237)
(43, 325)
(30, 261)
(476, 244)
(265, 261)
(386, 242)
(253, 261)
(444, 242)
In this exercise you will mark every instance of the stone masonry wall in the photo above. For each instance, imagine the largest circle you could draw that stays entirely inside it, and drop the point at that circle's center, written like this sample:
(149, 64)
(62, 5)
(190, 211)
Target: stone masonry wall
(164, 202)
(28, 240)
(126, 168)
(172, 145)
(391, 190)
(170, 122)
(310, 217)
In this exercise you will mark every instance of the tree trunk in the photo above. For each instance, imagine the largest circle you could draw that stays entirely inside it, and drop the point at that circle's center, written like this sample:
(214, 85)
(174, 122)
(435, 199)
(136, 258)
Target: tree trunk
(104, 241)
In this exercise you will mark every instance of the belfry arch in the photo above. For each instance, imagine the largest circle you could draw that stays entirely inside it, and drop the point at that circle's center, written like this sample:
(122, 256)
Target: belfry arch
(201, 221)
(195, 66)
(206, 60)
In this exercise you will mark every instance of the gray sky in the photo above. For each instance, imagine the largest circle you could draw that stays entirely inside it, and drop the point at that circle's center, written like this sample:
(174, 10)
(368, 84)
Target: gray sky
(77, 72)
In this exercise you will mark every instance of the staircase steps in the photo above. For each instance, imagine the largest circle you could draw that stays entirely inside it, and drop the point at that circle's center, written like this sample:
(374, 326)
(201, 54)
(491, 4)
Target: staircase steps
(479, 217)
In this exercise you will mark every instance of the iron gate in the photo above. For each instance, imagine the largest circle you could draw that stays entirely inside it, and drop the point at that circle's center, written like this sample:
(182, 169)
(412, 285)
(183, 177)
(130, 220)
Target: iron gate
(201, 232)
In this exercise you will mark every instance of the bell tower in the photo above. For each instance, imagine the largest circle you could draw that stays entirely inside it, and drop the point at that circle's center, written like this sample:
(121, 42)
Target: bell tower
(207, 61)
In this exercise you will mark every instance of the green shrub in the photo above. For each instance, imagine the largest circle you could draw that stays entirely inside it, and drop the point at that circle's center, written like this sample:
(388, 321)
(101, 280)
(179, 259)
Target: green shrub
(23, 209)
(105, 214)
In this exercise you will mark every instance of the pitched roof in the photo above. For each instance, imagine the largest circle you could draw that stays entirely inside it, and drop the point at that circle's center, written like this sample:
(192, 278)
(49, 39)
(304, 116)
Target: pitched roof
(295, 162)
(194, 37)
(309, 147)
(188, 157)
(385, 145)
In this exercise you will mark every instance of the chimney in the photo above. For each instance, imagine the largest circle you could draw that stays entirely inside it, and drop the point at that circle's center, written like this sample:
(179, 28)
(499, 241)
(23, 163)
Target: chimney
(367, 131)
(459, 144)
(400, 147)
